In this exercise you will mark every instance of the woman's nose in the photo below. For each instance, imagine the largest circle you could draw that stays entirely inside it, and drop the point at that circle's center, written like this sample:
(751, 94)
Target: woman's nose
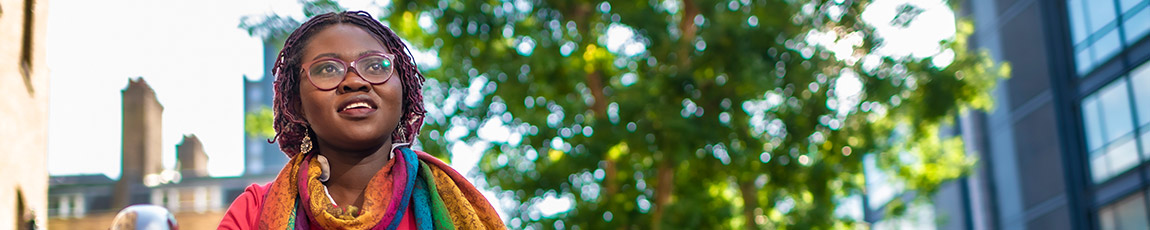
(352, 82)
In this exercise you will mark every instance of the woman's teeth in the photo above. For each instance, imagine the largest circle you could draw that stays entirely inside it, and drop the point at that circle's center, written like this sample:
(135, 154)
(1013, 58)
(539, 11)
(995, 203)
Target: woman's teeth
(356, 105)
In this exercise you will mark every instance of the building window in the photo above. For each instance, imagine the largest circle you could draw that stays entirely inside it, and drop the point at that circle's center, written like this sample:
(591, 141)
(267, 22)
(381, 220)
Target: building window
(25, 216)
(1137, 19)
(1109, 117)
(139, 198)
(201, 199)
(97, 203)
(1128, 213)
(1101, 29)
(54, 204)
(1109, 131)
(1140, 81)
(26, 44)
(79, 205)
(230, 195)
(880, 190)
(65, 207)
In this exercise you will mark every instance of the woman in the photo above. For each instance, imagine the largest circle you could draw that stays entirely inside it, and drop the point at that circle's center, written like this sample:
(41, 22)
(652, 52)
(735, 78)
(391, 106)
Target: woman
(348, 105)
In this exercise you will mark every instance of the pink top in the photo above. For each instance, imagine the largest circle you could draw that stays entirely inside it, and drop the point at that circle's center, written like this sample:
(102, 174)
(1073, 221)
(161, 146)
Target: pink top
(245, 209)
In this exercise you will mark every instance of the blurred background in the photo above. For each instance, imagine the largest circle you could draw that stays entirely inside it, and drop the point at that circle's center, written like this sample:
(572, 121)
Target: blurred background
(647, 114)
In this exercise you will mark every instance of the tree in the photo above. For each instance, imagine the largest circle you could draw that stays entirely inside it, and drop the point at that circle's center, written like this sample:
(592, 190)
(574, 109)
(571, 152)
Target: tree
(707, 114)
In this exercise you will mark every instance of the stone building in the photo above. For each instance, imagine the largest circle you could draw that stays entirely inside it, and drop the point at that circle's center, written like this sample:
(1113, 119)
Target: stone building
(23, 115)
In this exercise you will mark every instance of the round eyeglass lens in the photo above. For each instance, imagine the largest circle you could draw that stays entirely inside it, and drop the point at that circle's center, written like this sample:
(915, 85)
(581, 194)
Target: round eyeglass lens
(375, 69)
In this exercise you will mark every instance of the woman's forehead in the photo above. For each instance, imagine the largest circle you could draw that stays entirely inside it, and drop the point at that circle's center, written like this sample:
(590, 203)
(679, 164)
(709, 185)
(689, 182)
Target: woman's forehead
(342, 41)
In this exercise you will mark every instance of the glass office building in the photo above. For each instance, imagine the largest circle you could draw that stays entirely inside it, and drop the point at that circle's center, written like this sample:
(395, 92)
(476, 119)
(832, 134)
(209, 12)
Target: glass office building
(1110, 88)
(1067, 145)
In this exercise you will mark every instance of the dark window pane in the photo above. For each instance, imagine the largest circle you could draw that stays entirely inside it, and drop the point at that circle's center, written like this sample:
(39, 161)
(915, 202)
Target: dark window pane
(1126, 214)
(99, 203)
(1130, 213)
(1106, 219)
(141, 198)
(54, 205)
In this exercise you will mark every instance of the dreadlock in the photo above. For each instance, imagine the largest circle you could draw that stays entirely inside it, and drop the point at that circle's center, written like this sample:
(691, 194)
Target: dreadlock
(289, 125)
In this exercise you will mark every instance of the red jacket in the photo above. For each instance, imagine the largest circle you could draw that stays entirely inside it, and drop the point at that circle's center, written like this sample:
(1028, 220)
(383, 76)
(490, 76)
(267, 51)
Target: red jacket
(245, 210)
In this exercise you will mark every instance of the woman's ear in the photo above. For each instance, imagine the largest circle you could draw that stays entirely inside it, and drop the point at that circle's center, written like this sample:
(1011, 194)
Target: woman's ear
(298, 107)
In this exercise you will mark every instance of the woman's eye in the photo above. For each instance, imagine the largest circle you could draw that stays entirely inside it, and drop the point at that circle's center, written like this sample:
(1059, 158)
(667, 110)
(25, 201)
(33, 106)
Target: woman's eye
(379, 66)
(326, 69)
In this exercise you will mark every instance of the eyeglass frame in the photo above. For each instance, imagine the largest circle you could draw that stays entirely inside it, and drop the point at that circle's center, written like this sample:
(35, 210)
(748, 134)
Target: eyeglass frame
(349, 66)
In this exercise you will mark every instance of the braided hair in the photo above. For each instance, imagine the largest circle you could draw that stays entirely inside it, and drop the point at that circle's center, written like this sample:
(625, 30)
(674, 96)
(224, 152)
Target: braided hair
(291, 128)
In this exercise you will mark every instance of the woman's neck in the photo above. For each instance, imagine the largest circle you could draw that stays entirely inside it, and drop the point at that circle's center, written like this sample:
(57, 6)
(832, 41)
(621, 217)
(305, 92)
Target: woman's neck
(352, 170)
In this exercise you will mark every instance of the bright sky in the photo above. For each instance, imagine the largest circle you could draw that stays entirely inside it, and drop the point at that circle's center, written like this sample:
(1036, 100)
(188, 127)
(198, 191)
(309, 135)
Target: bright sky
(191, 52)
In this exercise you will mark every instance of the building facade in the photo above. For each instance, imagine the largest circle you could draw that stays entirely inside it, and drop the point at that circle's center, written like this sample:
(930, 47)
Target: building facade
(261, 157)
(23, 115)
(1067, 144)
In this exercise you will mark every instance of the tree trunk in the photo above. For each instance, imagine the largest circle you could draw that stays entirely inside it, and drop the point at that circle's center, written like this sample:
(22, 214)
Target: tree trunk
(687, 29)
(663, 191)
(750, 203)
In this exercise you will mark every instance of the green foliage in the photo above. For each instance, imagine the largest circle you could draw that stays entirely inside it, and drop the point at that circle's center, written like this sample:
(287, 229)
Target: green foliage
(269, 27)
(259, 123)
(726, 118)
(276, 28)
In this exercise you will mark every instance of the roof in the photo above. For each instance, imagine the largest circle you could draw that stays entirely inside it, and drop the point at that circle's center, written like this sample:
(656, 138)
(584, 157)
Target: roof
(79, 179)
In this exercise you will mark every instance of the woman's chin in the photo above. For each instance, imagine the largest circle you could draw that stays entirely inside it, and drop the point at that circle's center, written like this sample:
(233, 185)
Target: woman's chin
(367, 142)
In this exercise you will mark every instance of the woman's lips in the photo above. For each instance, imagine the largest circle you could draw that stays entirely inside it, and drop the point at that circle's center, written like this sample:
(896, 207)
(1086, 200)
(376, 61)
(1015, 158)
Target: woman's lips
(357, 107)
(357, 112)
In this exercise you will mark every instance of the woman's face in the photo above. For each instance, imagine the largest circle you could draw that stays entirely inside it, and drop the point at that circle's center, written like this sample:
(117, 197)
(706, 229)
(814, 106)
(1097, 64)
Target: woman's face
(356, 115)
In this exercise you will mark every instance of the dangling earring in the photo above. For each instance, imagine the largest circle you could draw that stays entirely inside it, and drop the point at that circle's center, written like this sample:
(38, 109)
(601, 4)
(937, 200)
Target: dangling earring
(400, 140)
(305, 145)
(402, 133)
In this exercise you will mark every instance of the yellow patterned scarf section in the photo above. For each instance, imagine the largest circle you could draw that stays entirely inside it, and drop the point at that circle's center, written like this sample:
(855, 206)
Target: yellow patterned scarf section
(457, 200)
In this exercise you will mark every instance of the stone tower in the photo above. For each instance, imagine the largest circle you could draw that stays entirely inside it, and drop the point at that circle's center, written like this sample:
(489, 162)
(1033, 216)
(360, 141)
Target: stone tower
(141, 153)
(193, 162)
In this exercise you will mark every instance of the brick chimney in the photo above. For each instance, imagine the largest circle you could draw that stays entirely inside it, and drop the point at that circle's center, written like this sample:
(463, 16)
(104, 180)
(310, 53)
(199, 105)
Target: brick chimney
(193, 162)
(141, 142)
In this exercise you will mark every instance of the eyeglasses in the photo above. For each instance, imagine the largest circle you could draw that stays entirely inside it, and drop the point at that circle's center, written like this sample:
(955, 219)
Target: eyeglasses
(326, 74)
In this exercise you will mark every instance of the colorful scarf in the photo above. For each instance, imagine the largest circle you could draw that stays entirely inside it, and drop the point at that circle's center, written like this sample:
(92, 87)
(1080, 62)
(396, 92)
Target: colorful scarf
(440, 197)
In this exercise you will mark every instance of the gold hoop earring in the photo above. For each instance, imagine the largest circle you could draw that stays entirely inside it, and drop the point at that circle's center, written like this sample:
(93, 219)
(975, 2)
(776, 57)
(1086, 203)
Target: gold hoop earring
(305, 145)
